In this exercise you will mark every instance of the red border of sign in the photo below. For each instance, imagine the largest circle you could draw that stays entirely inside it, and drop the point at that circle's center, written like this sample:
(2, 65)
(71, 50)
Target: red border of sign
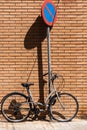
(42, 10)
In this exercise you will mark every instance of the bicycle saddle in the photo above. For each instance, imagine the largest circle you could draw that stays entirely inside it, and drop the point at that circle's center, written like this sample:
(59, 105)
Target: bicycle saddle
(27, 84)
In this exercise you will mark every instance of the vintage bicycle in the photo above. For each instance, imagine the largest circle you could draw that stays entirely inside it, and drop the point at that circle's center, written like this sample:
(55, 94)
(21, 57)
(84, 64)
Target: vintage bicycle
(17, 107)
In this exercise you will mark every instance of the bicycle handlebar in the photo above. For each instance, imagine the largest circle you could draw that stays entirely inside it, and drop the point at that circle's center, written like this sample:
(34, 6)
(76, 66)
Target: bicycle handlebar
(53, 76)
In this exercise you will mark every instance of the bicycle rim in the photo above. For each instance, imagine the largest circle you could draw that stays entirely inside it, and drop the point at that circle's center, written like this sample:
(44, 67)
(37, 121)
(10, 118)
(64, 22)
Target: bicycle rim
(65, 111)
(14, 107)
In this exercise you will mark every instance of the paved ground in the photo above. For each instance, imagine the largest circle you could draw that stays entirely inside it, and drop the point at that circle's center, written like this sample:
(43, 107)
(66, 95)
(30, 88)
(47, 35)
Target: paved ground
(44, 125)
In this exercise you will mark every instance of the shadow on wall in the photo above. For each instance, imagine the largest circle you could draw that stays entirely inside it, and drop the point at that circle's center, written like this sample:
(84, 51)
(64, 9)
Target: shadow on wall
(36, 34)
(83, 114)
(34, 38)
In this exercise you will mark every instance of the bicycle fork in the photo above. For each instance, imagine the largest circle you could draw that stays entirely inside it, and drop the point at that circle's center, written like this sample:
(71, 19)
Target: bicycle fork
(59, 100)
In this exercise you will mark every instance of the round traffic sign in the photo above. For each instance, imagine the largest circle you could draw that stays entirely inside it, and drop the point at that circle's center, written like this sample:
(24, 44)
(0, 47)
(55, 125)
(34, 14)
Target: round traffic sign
(49, 12)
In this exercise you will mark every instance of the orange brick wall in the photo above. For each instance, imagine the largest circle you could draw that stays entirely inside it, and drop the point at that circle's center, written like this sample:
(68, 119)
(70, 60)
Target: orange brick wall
(23, 48)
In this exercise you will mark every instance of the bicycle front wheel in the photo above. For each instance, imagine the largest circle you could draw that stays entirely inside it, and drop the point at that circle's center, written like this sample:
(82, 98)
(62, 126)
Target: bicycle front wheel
(65, 108)
(14, 107)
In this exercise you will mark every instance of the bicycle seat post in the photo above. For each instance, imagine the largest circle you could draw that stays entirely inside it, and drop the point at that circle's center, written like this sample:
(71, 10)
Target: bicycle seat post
(27, 86)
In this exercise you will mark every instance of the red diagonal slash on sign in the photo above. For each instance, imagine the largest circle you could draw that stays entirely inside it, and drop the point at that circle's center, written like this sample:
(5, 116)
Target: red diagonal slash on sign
(49, 12)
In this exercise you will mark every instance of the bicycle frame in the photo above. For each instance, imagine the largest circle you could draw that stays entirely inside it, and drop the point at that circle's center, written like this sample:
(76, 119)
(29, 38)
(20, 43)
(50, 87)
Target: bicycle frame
(48, 98)
(39, 103)
(50, 95)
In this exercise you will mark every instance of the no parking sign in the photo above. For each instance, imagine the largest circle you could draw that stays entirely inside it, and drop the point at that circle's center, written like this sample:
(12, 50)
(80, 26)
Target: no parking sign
(49, 12)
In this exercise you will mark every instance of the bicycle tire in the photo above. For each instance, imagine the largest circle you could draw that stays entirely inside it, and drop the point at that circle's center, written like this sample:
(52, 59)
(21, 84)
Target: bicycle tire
(70, 110)
(14, 107)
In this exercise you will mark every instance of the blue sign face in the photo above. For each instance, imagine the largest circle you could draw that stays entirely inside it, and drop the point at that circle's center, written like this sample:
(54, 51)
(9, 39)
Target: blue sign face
(49, 12)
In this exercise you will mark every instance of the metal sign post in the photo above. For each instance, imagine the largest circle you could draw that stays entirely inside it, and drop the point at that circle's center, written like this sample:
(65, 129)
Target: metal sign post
(49, 17)
(49, 58)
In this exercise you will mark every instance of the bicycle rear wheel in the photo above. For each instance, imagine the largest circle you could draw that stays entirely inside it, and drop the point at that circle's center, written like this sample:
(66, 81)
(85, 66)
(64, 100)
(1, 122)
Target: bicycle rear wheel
(14, 107)
(66, 110)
